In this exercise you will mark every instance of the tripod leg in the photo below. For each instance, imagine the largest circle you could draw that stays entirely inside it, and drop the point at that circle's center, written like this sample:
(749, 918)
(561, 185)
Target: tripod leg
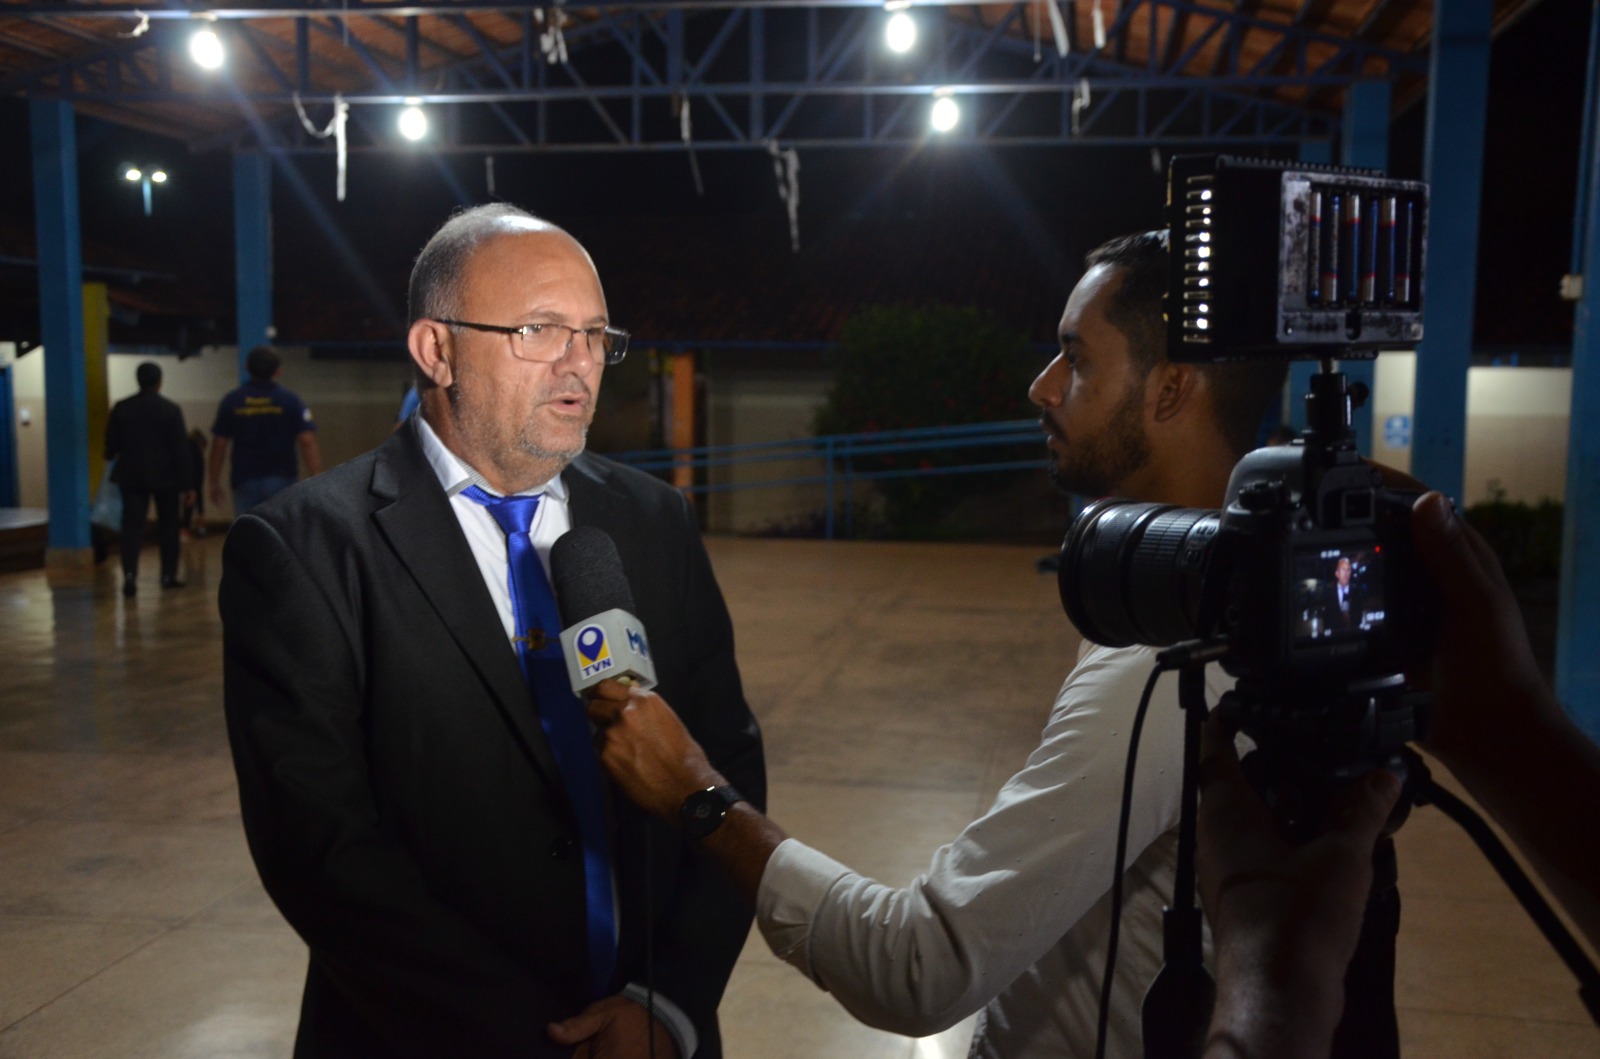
(1369, 1029)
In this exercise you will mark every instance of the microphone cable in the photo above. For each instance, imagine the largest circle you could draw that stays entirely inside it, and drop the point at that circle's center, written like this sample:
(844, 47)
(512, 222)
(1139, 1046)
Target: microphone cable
(1121, 856)
(1179, 656)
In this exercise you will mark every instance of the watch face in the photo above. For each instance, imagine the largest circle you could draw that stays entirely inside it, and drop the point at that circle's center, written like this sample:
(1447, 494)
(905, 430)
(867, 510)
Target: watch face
(703, 811)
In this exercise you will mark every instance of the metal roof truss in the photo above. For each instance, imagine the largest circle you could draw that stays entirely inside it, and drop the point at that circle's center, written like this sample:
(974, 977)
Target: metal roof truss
(812, 76)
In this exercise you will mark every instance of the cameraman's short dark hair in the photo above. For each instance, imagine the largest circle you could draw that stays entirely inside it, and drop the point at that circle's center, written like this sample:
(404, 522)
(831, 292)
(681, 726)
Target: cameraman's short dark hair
(1241, 392)
(148, 375)
(1135, 306)
(262, 363)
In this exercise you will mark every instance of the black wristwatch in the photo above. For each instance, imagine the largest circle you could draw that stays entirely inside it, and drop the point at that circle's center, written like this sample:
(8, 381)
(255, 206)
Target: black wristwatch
(702, 811)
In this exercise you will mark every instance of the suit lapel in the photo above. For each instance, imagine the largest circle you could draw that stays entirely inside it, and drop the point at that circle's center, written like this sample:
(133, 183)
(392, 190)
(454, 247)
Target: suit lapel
(419, 524)
(593, 501)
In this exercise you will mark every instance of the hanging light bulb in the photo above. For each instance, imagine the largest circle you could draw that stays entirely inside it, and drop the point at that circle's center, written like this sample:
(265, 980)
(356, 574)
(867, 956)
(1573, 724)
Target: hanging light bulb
(901, 33)
(205, 48)
(413, 122)
(946, 114)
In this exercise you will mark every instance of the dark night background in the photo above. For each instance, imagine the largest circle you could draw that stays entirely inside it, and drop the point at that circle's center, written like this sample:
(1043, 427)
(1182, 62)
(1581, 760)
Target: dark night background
(1000, 228)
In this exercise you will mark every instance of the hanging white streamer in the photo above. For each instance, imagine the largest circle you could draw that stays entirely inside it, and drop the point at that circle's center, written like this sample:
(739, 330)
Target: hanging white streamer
(141, 29)
(1099, 17)
(1080, 103)
(786, 167)
(1037, 54)
(552, 42)
(686, 132)
(1058, 29)
(336, 129)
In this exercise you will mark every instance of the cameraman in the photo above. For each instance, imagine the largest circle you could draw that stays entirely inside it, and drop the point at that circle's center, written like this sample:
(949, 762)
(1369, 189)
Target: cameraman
(1285, 920)
(1012, 917)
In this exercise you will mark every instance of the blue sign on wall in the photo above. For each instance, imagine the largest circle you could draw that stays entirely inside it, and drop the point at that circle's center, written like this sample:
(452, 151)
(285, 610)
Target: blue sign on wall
(1397, 432)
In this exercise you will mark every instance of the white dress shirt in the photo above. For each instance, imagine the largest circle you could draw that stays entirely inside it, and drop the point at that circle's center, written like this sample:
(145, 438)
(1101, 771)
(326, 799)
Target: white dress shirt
(1013, 916)
(488, 544)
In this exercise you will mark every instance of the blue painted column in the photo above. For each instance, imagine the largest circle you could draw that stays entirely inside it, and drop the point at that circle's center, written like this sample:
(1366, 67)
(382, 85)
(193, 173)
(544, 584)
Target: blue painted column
(55, 221)
(1364, 143)
(1458, 86)
(8, 439)
(1578, 627)
(252, 250)
(1319, 152)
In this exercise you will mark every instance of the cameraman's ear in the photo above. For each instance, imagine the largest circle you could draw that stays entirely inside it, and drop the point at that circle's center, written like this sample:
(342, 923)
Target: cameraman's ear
(1175, 387)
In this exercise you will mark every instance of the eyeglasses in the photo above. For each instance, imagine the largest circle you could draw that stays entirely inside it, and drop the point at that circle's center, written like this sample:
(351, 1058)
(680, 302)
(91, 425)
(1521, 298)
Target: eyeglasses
(542, 342)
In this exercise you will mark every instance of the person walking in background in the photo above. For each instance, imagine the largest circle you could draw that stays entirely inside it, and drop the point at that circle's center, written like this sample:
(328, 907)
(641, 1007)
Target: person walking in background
(264, 423)
(194, 505)
(146, 436)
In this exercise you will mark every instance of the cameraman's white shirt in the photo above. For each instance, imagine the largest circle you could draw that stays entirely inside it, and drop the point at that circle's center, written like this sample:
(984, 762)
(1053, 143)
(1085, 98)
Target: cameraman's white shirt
(1013, 916)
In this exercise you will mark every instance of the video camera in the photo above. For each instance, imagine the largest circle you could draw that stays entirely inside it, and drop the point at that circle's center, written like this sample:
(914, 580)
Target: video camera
(1305, 586)
(1307, 575)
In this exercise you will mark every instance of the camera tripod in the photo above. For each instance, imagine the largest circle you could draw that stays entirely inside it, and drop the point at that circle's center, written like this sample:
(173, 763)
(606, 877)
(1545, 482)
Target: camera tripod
(1305, 755)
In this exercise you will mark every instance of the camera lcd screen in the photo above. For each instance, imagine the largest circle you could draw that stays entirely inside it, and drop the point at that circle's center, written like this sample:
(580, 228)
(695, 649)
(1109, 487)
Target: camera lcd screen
(1338, 592)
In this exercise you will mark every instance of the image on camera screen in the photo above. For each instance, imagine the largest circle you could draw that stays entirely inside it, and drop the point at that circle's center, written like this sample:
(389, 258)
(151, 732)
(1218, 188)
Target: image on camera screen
(1338, 592)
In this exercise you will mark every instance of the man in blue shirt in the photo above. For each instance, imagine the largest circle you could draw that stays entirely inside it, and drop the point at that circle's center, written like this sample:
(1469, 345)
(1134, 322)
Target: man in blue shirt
(265, 424)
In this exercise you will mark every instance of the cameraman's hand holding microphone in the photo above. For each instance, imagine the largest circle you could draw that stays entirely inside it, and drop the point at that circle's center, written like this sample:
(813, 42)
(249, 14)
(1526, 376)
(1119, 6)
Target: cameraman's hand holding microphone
(1285, 919)
(645, 748)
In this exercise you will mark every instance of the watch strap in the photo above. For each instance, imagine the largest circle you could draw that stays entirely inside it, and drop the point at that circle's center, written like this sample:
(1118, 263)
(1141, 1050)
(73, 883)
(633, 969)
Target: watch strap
(704, 810)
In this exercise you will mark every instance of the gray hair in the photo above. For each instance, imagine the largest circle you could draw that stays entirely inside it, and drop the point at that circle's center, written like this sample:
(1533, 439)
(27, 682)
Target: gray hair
(435, 290)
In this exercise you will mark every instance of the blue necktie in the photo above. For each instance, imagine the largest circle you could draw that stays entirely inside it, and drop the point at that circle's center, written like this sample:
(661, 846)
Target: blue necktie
(538, 623)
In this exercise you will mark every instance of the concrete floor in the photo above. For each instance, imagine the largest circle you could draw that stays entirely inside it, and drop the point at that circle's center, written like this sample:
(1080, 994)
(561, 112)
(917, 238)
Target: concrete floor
(898, 686)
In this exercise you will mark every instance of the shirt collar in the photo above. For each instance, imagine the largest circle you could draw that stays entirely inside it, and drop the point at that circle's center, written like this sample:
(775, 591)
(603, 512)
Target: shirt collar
(455, 474)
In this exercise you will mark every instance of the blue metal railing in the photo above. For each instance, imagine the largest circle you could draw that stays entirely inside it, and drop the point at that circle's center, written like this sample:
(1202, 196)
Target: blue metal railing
(840, 454)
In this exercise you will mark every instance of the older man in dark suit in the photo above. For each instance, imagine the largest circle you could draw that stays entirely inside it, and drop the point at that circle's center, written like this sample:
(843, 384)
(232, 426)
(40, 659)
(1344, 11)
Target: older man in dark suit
(415, 795)
(147, 438)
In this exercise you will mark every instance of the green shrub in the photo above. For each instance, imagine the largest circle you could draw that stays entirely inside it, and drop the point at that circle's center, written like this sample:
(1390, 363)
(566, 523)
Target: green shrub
(899, 368)
(1526, 537)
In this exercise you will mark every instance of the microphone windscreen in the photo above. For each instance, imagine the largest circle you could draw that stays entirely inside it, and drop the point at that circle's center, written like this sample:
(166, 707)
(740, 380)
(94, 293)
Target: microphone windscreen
(587, 576)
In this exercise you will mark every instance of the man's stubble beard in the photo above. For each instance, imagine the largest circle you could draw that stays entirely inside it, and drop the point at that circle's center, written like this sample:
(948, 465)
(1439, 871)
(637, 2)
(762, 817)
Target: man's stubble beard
(1097, 464)
(515, 446)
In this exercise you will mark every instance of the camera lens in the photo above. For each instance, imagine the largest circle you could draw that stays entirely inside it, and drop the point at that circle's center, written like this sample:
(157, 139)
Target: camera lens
(1131, 573)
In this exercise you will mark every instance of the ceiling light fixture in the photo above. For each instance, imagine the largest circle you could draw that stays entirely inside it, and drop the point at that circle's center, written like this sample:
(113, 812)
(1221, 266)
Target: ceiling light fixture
(900, 34)
(205, 48)
(413, 122)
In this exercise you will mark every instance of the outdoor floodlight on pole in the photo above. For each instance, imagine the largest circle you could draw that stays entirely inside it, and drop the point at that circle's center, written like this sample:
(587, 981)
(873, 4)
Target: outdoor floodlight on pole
(144, 177)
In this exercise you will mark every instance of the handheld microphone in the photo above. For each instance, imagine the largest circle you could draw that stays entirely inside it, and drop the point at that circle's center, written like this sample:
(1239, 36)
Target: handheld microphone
(602, 639)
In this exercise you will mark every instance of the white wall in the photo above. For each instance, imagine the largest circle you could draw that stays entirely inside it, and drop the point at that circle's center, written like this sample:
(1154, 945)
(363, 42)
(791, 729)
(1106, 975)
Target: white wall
(353, 402)
(1517, 427)
(752, 407)
(1516, 422)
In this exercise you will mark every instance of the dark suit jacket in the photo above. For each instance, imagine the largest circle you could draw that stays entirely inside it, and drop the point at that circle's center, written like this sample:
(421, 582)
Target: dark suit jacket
(147, 438)
(398, 794)
(1333, 617)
